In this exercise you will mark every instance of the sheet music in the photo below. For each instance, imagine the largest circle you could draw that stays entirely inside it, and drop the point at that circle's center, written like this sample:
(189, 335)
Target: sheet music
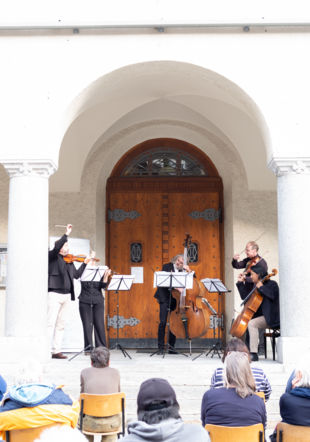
(121, 282)
(214, 285)
(179, 279)
(93, 273)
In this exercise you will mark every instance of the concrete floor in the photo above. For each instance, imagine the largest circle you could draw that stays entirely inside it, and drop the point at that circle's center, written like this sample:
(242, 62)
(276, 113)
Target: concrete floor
(189, 378)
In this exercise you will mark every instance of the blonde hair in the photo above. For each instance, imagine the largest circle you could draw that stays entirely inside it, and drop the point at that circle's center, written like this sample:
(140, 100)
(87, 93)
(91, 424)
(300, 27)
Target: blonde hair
(238, 373)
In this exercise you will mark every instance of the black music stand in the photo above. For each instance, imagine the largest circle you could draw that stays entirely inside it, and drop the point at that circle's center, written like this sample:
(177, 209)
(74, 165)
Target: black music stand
(170, 280)
(120, 283)
(215, 286)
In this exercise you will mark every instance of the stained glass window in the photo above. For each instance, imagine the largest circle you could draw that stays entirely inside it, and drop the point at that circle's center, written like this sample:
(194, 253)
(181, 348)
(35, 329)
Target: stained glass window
(164, 162)
(192, 252)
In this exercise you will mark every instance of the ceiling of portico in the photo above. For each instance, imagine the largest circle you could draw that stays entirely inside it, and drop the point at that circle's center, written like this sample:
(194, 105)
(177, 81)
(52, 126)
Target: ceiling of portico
(149, 92)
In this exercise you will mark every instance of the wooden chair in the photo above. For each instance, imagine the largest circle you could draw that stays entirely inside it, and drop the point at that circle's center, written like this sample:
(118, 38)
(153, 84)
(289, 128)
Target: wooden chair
(260, 394)
(292, 433)
(251, 433)
(273, 334)
(26, 434)
(103, 405)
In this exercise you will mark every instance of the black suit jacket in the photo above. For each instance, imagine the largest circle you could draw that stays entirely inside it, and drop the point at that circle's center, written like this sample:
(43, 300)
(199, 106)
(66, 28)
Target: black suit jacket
(162, 293)
(270, 304)
(57, 268)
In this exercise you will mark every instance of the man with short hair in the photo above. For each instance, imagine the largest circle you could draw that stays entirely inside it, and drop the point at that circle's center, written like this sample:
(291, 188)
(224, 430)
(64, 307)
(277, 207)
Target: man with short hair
(159, 418)
(252, 257)
(60, 290)
(100, 379)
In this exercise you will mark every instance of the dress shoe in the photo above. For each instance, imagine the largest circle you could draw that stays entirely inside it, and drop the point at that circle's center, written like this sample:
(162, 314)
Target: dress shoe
(58, 356)
(172, 352)
(254, 357)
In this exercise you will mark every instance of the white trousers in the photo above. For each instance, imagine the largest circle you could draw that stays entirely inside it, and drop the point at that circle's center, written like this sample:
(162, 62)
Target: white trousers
(253, 328)
(58, 307)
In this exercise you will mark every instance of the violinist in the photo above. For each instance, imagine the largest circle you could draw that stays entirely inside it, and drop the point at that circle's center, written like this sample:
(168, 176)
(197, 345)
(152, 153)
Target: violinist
(91, 303)
(168, 303)
(60, 290)
(252, 258)
(268, 313)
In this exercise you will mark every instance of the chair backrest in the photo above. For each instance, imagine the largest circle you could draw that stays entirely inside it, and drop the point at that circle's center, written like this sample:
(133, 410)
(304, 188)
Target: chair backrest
(260, 394)
(251, 433)
(102, 405)
(26, 434)
(292, 433)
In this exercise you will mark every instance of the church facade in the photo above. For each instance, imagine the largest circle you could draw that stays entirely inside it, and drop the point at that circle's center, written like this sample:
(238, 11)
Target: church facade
(139, 126)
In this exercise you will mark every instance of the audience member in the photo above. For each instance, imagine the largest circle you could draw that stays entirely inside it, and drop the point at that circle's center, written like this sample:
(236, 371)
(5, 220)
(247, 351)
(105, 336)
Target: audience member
(100, 379)
(32, 403)
(61, 433)
(159, 418)
(295, 404)
(236, 404)
(2, 387)
(261, 381)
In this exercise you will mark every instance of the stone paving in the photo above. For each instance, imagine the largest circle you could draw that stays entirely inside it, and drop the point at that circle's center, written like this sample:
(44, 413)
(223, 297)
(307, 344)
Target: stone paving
(189, 378)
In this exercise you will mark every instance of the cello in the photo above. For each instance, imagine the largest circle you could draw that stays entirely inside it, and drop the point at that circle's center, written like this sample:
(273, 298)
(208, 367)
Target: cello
(190, 319)
(251, 304)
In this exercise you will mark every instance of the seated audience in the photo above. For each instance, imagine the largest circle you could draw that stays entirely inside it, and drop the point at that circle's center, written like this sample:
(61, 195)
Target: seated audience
(295, 402)
(2, 387)
(159, 418)
(32, 403)
(236, 404)
(61, 433)
(261, 381)
(100, 379)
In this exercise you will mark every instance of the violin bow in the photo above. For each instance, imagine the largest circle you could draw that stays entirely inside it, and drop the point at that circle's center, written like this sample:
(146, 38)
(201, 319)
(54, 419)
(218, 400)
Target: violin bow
(259, 237)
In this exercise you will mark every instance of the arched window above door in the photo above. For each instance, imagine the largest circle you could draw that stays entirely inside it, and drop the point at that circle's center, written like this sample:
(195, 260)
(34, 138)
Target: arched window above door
(164, 157)
(164, 161)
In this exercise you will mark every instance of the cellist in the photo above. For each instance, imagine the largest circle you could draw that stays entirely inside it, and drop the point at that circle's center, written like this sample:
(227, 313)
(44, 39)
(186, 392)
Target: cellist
(162, 296)
(268, 314)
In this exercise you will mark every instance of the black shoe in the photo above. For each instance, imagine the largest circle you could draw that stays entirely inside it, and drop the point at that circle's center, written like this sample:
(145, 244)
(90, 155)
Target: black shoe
(172, 352)
(254, 357)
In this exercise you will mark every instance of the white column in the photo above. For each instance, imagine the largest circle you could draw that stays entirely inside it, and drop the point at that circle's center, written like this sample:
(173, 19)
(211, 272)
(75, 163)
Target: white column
(294, 244)
(26, 291)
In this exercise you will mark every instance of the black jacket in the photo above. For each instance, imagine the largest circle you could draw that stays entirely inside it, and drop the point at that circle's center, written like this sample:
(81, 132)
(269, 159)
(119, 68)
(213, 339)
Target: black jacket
(91, 292)
(162, 293)
(270, 304)
(57, 269)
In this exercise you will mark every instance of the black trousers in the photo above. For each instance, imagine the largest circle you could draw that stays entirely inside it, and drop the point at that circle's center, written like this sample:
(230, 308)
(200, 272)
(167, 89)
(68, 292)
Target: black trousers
(92, 316)
(163, 314)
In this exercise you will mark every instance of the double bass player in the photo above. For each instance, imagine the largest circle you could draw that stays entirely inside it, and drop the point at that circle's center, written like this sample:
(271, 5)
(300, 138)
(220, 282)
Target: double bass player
(168, 303)
(268, 313)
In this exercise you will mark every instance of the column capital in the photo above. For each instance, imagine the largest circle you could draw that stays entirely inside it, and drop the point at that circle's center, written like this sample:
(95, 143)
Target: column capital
(22, 168)
(289, 166)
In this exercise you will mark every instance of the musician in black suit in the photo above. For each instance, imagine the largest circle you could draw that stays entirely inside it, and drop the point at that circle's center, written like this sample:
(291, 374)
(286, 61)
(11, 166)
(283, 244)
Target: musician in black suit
(60, 291)
(163, 298)
(268, 313)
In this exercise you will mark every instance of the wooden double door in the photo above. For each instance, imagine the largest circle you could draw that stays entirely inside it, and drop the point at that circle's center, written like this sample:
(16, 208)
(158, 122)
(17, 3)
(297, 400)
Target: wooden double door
(147, 220)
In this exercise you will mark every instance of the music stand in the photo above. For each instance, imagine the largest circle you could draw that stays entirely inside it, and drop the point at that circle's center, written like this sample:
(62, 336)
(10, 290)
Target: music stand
(171, 280)
(120, 283)
(215, 286)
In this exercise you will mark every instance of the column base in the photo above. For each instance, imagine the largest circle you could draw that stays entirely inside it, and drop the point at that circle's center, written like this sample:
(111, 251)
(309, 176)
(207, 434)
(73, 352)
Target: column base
(293, 350)
(17, 349)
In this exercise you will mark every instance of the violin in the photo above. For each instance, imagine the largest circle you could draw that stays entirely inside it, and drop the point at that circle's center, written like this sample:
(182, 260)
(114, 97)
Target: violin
(77, 258)
(251, 305)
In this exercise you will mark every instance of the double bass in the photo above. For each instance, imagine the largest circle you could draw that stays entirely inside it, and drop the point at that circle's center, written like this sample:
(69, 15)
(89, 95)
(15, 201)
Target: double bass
(190, 319)
(251, 305)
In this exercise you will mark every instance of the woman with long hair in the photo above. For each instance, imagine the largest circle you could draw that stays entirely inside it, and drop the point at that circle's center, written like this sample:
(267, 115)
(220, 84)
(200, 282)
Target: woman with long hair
(235, 404)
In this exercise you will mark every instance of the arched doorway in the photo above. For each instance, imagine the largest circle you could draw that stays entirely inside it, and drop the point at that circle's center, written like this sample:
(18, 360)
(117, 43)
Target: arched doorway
(160, 190)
